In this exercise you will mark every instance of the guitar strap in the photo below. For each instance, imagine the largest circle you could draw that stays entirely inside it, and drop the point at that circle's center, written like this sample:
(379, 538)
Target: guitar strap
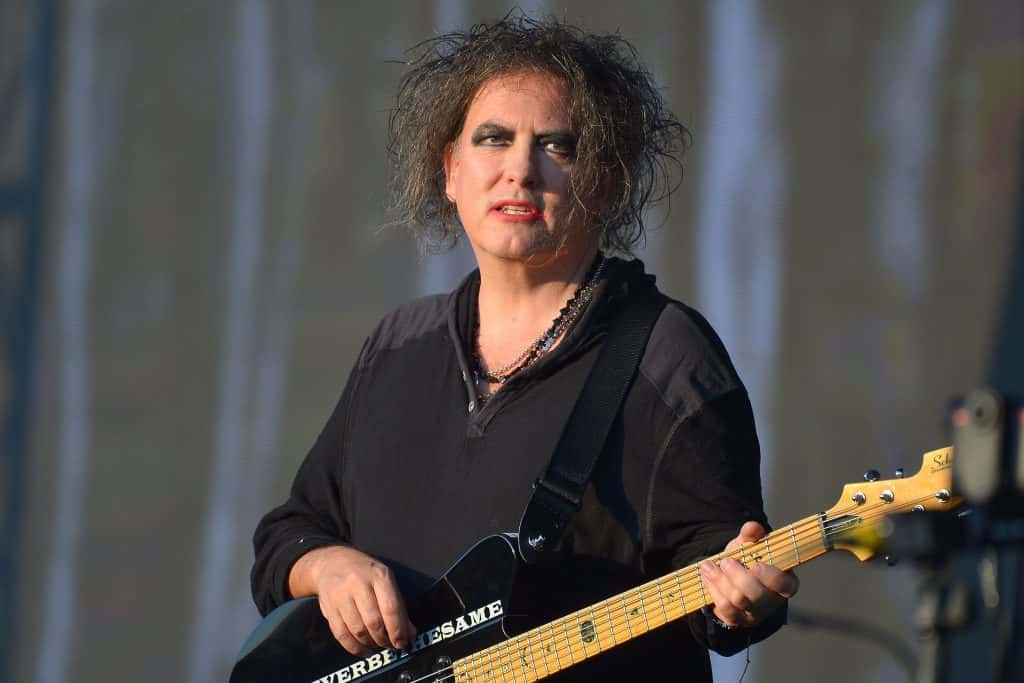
(558, 493)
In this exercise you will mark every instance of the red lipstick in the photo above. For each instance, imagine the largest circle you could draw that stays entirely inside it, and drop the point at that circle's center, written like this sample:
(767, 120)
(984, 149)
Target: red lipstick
(516, 210)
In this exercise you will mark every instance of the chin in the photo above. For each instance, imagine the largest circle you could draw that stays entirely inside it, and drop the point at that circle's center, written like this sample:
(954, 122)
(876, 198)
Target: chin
(534, 251)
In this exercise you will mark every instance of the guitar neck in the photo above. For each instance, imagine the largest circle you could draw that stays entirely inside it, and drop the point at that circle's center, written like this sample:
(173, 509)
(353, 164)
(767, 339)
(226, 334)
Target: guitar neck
(567, 641)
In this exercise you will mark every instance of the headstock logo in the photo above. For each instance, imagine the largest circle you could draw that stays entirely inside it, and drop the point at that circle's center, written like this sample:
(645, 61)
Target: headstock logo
(941, 460)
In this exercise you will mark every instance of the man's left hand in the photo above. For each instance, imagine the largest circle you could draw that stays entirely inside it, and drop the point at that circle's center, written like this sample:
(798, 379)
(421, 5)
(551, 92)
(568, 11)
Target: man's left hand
(745, 596)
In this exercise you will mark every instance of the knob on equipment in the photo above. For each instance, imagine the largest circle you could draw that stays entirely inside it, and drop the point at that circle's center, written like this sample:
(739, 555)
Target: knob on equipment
(917, 508)
(943, 495)
(872, 475)
(898, 473)
(859, 498)
(886, 495)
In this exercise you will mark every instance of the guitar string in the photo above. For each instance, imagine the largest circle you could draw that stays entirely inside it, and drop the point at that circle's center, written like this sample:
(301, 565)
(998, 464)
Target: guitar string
(814, 522)
(813, 525)
(810, 529)
(503, 665)
(475, 662)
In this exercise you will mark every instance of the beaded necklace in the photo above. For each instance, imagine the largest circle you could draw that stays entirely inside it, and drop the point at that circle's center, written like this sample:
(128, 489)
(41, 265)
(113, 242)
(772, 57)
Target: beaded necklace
(562, 322)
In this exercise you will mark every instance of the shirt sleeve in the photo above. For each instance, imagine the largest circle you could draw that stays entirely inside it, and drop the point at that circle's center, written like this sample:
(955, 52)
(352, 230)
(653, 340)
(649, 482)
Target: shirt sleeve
(707, 484)
(313, 516)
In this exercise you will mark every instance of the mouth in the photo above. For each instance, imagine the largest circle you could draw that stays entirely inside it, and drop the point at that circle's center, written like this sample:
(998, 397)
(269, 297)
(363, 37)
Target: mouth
(517, 210)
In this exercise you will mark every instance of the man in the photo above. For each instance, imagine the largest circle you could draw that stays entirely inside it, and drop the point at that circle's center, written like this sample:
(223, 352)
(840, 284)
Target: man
(543, 146)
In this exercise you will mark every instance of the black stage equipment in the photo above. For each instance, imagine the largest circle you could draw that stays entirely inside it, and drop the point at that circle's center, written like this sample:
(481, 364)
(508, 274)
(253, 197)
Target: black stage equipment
(971, 603)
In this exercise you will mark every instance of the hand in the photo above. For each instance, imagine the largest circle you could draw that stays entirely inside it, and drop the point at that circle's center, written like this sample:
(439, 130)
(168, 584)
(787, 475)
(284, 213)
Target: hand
(358, 597)
(746, 596)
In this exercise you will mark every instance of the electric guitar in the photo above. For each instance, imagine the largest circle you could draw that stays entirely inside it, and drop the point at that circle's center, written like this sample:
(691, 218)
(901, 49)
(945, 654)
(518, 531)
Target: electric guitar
(466, 641)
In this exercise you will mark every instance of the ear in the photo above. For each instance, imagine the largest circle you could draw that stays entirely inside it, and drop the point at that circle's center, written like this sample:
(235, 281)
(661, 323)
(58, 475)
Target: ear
(451, 168)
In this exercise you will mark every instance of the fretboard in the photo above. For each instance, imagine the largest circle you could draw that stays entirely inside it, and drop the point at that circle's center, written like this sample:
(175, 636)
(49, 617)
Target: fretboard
(567, 641)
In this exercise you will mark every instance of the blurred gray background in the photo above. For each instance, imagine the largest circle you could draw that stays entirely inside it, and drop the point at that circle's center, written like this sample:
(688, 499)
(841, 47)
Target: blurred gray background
(192, 250)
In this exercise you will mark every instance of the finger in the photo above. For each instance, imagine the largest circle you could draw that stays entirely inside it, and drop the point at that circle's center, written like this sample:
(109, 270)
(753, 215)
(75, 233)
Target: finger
(745, 590)
(785, 584)
(753, 531)
(748, 533)
(718, 589)
(374, 631)
(741, 586)
(353, 618)
(342, 633)
(400, 631)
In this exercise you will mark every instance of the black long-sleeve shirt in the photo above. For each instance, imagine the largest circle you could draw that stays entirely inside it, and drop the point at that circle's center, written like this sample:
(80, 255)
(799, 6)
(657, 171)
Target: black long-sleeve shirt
(411, 470)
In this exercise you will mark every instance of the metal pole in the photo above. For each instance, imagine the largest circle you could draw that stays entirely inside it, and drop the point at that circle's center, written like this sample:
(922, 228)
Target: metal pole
(23, 211)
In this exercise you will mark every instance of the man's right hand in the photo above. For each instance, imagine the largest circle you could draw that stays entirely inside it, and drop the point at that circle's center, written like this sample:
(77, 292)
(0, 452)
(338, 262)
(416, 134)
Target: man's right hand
(358, 596)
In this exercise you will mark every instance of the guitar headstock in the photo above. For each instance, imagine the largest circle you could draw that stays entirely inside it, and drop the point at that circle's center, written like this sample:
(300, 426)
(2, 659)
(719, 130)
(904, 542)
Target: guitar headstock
(855, 522)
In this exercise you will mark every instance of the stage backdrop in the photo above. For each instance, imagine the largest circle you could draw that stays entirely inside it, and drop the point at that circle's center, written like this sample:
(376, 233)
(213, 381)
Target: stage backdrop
(216, 252)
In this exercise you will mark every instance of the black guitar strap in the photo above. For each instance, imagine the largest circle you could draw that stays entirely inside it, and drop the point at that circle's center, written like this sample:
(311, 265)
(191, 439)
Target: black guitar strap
(558, 493)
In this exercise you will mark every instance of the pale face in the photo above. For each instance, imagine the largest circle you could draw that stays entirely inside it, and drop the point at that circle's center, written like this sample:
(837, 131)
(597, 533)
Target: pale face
(508, 172)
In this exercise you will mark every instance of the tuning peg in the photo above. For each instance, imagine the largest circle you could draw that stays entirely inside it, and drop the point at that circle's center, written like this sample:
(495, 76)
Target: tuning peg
(898, 473)
(890, 560)
(872, 475)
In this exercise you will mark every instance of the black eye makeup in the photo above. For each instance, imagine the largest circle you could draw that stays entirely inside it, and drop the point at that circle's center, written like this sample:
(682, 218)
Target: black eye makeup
(490, 133)
(562, 143)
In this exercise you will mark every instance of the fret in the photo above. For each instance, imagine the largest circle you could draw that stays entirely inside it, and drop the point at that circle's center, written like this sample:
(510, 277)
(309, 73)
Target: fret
(768, 549)
(511, 666)
(661, 600)
(611, 621)
(495, 666)
(533, 657)
(700, 585)
(597, 629)
(682, 593)
(796, 547)
(579, 634)
(543, 652)
(625, 613)
(473, 665)
(643, 609)
(469, 666)
(553, 645)
(487, 657)
(565, 632)
(491, 665)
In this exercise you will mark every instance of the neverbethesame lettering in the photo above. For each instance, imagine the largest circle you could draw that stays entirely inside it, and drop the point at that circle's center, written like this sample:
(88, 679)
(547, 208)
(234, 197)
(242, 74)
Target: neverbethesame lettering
(423, 640)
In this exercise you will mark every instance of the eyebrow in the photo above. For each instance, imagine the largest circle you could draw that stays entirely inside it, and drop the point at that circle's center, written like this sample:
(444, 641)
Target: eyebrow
(496, 128)
(489, 128)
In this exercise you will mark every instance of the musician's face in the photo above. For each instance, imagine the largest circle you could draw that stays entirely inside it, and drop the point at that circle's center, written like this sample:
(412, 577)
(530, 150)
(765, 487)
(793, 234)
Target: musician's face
(508, 171)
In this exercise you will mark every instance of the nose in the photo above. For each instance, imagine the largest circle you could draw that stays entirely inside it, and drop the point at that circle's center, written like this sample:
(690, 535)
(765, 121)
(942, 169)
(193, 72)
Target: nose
(521, 165)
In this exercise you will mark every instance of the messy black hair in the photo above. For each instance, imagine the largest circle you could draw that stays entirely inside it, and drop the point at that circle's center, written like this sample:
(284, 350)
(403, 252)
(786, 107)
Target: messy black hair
(629, 147)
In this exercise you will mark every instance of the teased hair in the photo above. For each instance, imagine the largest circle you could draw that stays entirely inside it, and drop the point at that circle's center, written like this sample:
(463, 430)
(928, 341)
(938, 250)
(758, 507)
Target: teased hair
(629, 145)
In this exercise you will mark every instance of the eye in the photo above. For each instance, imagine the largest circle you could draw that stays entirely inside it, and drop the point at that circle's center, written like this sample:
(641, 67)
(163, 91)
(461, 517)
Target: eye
(563, 146)
(490, 138)
(562, 149)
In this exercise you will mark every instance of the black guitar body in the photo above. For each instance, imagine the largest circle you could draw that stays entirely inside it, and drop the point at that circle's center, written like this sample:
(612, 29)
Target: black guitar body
(459, 615)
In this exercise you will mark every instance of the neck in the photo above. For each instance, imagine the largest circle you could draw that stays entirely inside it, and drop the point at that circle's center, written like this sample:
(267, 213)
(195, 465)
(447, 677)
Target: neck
(518, 299)
(518, 307)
